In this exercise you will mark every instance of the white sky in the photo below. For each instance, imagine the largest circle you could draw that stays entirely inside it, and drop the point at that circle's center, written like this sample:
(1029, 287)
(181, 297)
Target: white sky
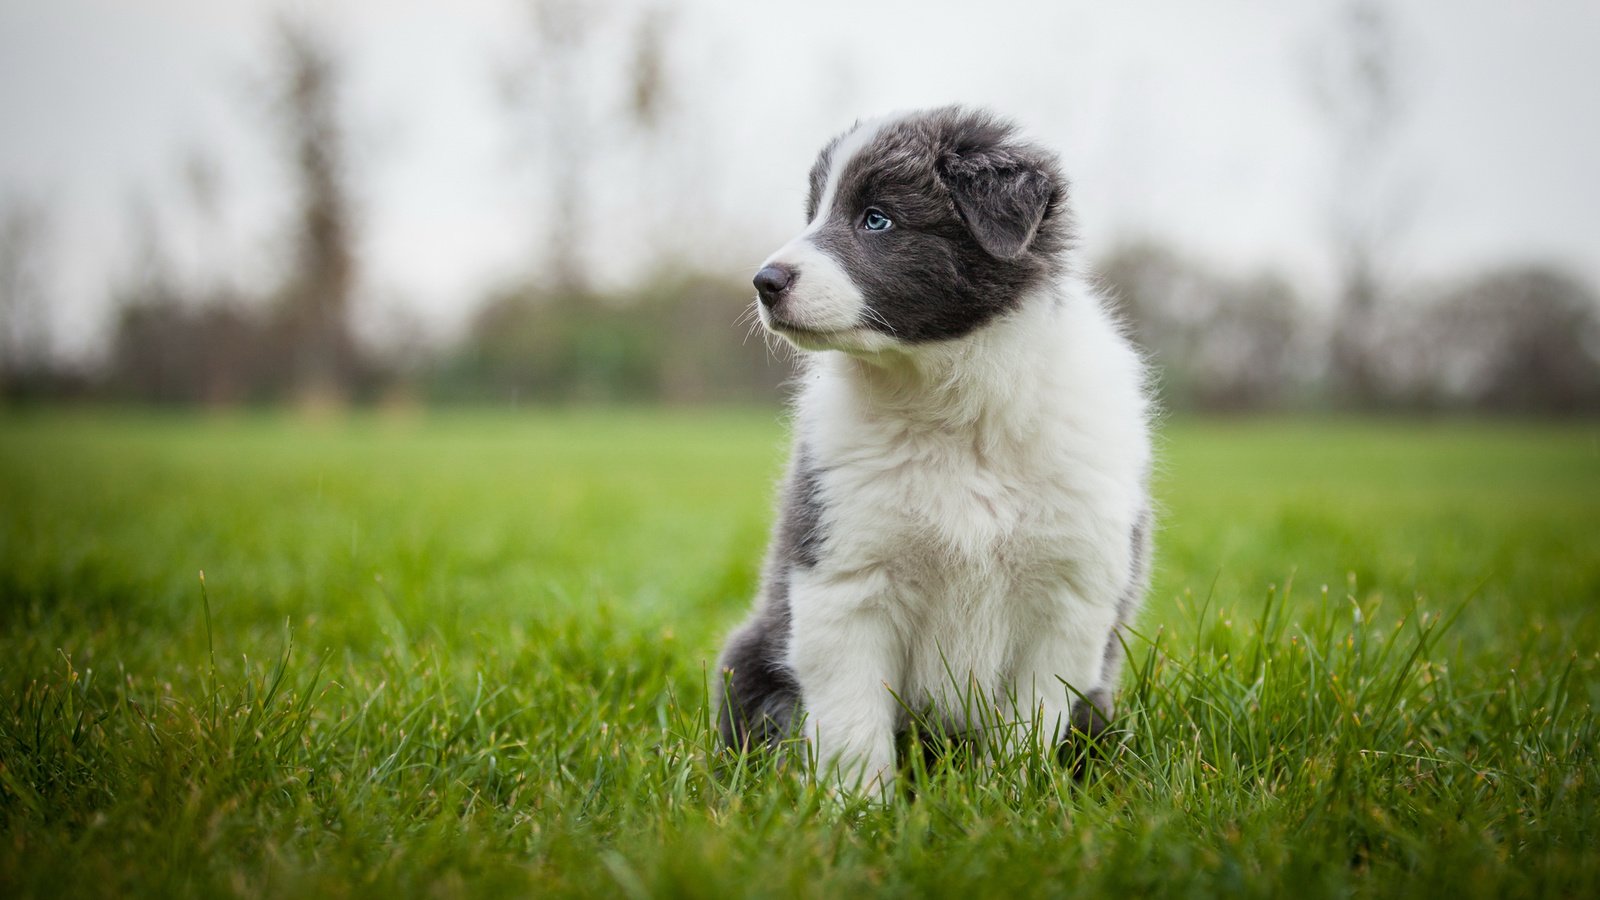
(1188, 121)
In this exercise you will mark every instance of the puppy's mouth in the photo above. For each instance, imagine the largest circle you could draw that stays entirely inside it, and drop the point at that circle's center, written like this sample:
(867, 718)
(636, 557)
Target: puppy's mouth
(792, 330)
(856, 340)
(801, 333)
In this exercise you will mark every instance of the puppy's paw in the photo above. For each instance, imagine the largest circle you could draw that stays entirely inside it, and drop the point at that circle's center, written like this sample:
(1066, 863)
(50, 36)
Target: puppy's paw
(848, 777)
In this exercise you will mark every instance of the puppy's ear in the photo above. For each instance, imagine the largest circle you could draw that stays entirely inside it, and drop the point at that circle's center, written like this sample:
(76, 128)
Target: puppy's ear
(1002, 196)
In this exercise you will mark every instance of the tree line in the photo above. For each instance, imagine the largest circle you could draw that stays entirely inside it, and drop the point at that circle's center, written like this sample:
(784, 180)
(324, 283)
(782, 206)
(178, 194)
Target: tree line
(1517, 338)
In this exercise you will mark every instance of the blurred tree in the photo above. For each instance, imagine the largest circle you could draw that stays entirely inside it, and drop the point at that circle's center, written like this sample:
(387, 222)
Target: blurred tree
(1218, 343)
(1354, 82)
(577, 103)
(547, 91)
(175, 342)
(24, 301)
(314, 306)
(190, 333)
(167, 351)
(1521, 339)
(201, 178)
(650, 89)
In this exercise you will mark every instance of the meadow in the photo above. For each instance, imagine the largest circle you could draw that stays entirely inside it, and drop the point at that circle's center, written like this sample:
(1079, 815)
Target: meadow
(465, 654)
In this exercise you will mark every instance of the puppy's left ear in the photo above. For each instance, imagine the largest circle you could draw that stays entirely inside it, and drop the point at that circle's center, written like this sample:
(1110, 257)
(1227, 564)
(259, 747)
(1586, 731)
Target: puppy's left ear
(1002, 196)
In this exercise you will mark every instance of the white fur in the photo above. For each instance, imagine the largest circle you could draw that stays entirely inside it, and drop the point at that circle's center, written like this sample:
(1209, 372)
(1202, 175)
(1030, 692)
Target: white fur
(823, 299)
(979, 496)
(859, 138)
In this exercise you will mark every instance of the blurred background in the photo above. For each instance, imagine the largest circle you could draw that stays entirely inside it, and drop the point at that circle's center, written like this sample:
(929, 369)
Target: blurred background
(1328, 205)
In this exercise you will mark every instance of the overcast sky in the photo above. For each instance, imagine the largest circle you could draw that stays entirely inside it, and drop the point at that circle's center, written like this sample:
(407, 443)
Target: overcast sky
(1186, 121)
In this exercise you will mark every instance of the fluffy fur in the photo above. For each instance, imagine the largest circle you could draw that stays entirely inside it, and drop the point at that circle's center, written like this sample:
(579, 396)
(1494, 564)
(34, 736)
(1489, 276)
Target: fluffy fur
(966, 510)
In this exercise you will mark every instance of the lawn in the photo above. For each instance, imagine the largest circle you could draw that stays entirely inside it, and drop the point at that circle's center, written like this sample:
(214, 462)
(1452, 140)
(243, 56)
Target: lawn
(465, 654)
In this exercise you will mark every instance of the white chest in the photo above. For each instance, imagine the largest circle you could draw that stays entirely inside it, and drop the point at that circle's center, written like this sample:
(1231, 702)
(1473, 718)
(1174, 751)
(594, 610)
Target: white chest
(971, 550)
(980, 520)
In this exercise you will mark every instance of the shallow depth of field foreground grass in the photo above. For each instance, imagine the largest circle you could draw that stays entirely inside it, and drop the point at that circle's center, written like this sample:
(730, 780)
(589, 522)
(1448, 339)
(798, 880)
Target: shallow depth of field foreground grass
(466, 655)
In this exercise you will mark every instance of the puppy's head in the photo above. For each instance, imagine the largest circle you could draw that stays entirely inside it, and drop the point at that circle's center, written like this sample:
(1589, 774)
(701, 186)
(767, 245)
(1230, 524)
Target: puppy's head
(921, 228)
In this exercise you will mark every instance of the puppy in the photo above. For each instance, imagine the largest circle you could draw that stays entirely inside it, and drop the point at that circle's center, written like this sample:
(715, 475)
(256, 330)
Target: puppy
(965, 514)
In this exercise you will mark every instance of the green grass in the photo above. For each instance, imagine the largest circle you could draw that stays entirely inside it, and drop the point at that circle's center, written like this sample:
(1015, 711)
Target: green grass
(465, 655)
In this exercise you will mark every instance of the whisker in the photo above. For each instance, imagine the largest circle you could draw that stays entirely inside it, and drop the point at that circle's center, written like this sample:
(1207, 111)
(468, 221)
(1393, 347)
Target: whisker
(782, 352)
(752, 328)
(878, 317)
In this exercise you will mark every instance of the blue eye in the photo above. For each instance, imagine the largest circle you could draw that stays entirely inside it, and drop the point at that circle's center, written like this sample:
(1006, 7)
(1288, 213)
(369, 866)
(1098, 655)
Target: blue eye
(875, 220)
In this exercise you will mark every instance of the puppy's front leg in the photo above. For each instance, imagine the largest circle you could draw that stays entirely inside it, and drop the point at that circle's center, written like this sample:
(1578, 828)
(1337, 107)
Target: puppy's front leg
(1065, 657)
(848, 659)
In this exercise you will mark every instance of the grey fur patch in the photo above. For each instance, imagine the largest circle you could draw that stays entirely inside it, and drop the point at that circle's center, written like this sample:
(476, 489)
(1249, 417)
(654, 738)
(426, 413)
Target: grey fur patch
(1092, 718)
(1128, 604)
(759, 697)
(800, 533)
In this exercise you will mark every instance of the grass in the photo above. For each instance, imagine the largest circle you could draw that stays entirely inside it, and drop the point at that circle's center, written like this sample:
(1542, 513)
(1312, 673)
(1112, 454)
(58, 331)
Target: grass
(465, 655)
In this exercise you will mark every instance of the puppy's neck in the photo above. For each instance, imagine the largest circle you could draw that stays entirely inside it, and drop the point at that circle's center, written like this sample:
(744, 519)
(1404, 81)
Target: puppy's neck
(988, 378)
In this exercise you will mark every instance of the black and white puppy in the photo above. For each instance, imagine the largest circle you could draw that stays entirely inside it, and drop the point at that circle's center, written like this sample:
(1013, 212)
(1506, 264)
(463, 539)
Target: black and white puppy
(966, 509)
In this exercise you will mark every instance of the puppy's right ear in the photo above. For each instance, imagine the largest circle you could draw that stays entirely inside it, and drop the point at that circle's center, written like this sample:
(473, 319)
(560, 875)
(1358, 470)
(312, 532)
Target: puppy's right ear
(1002, 195)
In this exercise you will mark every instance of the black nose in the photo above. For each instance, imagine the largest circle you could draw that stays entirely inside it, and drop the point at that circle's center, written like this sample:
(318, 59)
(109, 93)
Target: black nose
(772, 281)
